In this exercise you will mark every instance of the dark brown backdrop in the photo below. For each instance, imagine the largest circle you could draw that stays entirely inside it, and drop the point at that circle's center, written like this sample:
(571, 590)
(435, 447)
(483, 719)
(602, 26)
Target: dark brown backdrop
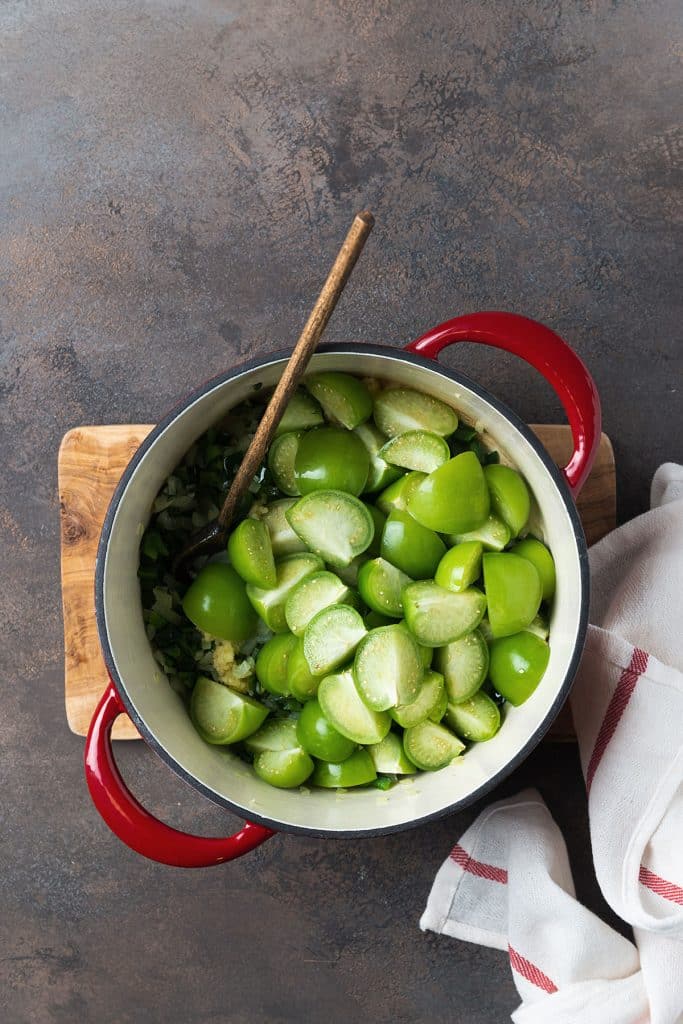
(175, 179)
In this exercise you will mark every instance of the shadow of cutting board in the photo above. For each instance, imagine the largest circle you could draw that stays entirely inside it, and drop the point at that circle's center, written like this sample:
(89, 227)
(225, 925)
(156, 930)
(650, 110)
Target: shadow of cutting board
(91, 461)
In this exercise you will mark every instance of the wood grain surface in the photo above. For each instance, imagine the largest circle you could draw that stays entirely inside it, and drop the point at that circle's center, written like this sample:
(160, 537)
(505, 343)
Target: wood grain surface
(91, 461)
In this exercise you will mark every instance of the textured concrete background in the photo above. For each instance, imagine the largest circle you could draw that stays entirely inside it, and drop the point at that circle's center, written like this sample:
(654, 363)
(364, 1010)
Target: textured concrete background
(175, 180)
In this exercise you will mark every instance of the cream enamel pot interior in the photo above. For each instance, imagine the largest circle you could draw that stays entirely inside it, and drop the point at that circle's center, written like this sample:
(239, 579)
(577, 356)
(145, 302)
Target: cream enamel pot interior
(139, 689)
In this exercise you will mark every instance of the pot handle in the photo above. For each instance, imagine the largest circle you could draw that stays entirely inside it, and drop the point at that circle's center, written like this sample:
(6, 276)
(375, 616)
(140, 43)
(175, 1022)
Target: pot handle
(135, 826)
(551, 356)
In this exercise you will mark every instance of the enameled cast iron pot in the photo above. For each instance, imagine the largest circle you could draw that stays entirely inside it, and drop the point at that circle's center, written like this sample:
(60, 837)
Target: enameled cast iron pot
(139, 689)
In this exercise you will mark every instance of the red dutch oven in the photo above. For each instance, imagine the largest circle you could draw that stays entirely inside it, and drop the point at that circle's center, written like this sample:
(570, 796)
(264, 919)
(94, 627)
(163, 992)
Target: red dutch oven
(139, 689)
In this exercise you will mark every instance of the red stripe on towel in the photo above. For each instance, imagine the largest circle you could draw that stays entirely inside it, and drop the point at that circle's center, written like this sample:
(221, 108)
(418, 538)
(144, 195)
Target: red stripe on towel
(615, 709)
(530, 971)
(477, 867)
(668, 890)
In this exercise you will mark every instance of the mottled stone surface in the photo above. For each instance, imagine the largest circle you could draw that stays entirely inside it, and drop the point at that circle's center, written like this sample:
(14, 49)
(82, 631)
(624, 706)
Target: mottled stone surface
(176, 177)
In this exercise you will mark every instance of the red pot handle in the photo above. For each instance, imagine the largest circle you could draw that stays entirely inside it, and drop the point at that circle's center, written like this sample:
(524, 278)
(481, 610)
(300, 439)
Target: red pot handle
(135, 826)
(549, 354)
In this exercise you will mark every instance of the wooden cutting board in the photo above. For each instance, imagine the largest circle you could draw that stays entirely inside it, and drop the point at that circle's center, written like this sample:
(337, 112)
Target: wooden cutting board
(91, 461)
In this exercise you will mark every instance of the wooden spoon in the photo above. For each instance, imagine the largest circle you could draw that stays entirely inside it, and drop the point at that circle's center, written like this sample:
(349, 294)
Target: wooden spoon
(212, 537)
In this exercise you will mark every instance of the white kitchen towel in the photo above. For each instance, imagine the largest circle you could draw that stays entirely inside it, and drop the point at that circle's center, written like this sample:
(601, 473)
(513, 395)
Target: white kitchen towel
(507, 883)
(627, 705)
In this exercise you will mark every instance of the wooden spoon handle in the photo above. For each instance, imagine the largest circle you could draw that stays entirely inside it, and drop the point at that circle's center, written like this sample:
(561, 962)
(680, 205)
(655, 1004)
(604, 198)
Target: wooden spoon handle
(298, 361)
